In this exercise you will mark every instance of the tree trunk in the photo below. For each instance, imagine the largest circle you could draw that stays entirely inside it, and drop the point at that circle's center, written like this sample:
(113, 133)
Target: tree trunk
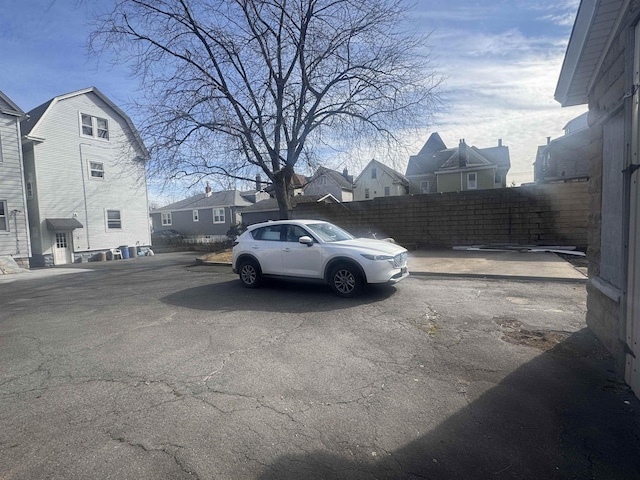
(282, 185)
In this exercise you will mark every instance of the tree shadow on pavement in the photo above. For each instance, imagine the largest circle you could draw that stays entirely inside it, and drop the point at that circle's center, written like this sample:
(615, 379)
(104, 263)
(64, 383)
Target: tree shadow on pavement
(563, 415)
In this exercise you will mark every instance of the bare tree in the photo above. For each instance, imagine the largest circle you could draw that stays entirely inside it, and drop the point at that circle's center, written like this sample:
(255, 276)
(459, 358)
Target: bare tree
(235, 87)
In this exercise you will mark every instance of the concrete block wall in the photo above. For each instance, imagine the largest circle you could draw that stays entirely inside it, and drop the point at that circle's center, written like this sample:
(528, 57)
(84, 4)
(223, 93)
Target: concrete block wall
(555, 214)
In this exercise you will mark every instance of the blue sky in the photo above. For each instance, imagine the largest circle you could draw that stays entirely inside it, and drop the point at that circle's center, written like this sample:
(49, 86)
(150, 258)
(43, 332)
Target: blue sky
(501, 59)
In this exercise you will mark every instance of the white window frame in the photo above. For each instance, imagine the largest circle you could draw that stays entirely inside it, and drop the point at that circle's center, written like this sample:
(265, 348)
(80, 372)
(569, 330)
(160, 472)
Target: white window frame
(472, 185)
(366, 193)
(196, 215)
(497, 178)
(4, 216)
(99, 128)
(387, 191)
(424, 186)
(118, 225)
(218, 215)
(165, 219)
(374, 173)
(96, 167)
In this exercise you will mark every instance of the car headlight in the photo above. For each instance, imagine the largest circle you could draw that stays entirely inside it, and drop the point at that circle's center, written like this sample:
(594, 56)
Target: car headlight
(376, 257)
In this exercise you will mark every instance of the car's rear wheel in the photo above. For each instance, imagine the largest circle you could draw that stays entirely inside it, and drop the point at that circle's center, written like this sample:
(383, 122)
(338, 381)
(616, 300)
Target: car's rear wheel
(346, 280)
(249, 273)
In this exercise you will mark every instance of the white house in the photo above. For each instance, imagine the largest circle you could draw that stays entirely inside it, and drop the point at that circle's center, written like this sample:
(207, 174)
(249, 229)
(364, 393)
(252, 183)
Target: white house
(85, 179)
(325, 180)
(14, 232)
(378, 180)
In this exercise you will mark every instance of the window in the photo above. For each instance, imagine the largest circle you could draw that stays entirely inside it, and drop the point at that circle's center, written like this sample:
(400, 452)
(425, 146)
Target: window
(424, 186)
(103, 128)
(96, 170)
(472, 181)
(94, 126)
(294, 232)
(218, 215)
(387, 191)
(4, 221)
(61, 240)
(374, 172)
(114, 221)
(366, 193)
(29, 190)
(166, 218)
(196, 216)
(87, 125)
(498, 178)
(270, 233)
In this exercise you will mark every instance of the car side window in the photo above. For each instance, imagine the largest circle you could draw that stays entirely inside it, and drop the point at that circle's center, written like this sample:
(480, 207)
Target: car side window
(294, 232)
(270, 233)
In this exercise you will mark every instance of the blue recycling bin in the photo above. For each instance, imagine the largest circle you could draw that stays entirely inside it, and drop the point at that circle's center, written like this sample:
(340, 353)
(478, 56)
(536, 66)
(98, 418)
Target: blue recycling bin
(125, 251)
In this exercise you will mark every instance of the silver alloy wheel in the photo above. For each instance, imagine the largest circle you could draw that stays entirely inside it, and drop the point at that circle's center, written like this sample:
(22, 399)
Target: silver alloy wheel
(344, 281)
(248, 274)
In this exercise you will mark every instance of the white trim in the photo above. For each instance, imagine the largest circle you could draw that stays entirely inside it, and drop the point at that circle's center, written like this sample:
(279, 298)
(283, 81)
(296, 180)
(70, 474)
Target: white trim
(168, 216)
(216, 212)
(195, 215)
(7, 225)
(106, 218)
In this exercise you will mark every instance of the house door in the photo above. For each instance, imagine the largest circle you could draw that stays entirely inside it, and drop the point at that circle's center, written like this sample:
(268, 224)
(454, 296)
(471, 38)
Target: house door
(62, 248)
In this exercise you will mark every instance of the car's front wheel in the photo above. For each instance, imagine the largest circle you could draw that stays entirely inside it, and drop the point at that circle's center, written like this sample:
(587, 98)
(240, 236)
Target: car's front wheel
(249, 273)
(346, 280)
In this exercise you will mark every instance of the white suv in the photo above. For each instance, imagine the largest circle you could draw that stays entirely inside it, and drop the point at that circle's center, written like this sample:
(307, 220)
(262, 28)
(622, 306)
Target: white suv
(316, 250)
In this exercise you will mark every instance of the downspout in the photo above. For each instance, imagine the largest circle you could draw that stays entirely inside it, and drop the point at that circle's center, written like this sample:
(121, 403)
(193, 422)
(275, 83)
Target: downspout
(84, 195)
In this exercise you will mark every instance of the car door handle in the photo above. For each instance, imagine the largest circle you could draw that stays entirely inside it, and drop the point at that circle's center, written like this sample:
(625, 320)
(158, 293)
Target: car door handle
(255, 247)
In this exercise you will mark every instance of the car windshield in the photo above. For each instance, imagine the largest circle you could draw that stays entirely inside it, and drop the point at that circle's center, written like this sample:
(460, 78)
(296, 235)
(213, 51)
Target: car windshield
(329, 233)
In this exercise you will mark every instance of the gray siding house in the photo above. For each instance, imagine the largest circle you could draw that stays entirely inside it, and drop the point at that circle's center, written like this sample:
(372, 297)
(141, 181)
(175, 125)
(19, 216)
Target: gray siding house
(14, 229)
(602, 70)
(84, 167)
(205, 217)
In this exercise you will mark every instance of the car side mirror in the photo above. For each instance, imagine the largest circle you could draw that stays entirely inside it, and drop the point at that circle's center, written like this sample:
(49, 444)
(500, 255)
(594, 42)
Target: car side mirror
(308, 241)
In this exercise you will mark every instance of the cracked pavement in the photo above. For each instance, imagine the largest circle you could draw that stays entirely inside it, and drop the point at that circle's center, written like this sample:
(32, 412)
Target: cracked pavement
(158, 368)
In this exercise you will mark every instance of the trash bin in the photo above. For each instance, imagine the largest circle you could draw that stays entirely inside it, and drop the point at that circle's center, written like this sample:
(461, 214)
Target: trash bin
(125, 251)
(102, 256)
(132, 252)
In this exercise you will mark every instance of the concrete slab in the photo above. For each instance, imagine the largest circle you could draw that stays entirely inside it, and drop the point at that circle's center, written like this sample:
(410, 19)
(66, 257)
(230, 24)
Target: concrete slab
(523, 265)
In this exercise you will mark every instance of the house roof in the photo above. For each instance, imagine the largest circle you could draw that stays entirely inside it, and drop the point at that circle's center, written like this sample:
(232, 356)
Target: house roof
(434, 144)
(337, 177)
(30, 125)
(396, 176)
(429, 160)
(8, 107)
(226, 198)
(593, 31)
(271, 204)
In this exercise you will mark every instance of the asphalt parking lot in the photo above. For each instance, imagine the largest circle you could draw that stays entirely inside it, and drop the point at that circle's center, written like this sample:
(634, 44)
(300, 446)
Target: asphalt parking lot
(159, 368)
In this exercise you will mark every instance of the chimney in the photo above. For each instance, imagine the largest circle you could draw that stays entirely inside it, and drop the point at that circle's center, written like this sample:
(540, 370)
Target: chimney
(462, 154)
(207, 190)
(258, 182)
(345, 174)
(499, 142)
(548, 140)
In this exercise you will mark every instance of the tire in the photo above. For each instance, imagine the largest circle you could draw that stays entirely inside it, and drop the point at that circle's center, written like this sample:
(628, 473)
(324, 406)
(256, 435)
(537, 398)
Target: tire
(250, 275)
(346, 280)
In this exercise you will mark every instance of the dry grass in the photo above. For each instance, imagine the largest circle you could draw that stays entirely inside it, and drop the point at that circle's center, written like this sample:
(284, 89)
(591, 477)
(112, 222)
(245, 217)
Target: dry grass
(217, 257)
